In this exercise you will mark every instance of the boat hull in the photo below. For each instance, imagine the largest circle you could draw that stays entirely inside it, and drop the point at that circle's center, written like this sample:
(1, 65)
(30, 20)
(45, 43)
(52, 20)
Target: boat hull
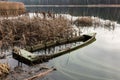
(44, 58)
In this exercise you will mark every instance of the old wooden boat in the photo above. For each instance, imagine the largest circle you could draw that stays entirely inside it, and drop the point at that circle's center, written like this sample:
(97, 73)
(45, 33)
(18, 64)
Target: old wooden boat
(29, 58)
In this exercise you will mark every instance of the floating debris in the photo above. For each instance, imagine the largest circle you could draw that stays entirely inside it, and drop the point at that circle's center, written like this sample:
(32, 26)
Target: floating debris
(41, 74)
(4, 69)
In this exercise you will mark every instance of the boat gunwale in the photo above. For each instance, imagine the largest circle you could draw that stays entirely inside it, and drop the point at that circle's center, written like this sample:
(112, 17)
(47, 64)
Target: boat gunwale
(50, 56)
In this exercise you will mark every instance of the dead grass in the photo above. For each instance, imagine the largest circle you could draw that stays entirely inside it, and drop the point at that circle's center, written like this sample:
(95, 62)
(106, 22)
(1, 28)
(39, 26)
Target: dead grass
(84, 21)
(26, 31)
(4, 69)
(11, 8)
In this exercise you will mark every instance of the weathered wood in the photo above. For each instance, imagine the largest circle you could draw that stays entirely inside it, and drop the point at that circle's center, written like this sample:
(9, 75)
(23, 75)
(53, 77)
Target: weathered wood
(86, 42)
(31, 59)
(41, 74)
(55, 43)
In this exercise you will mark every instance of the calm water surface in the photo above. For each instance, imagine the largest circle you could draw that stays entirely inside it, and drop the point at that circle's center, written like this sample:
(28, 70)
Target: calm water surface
(97, 61)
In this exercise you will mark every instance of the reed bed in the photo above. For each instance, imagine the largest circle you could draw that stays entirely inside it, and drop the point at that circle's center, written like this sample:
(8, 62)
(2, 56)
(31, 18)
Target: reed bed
(11, 8)
(27, 31)
(87, 22)
(84, 21)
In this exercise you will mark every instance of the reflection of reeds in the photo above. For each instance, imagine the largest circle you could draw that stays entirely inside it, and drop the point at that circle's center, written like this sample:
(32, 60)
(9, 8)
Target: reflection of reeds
(11, 8)
(107, 24)
(25, 31)
(83, 22)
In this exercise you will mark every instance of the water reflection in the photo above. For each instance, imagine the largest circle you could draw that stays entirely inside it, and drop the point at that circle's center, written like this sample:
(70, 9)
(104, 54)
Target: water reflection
(105, 13)
(98, 61)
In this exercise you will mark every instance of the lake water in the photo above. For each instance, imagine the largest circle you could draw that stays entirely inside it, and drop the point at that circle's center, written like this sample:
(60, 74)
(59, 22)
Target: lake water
(97, 61)
(111, 13)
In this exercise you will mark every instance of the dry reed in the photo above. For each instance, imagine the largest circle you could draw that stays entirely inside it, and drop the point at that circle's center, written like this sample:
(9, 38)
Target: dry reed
(26, 31)
(84, 21)
(11, 8)
(4, 69)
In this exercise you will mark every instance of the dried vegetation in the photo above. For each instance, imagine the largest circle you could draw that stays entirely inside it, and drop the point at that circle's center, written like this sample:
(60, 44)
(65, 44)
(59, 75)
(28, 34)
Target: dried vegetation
(26, 31)
(84, 21)
(4, 69)
(11, 8)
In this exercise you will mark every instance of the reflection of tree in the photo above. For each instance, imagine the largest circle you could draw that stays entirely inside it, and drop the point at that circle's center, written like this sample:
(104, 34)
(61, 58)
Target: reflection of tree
(105, 13)
(69, 1)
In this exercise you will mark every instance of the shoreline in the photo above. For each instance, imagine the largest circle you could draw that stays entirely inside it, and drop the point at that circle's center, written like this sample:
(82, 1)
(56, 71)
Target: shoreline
(99, 5)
